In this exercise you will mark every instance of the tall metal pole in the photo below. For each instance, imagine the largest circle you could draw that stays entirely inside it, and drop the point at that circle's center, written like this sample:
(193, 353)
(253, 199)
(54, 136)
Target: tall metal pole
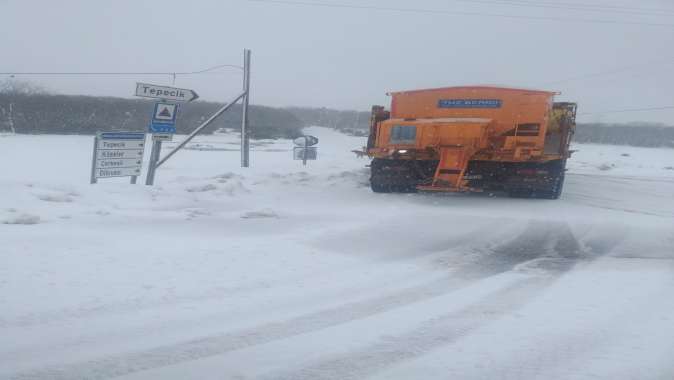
(154, 157)
(93, 160)
(245, 133)
(304, 152)
(11, 117)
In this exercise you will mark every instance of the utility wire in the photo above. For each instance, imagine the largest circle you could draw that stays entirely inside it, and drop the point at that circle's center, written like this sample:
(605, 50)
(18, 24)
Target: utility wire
(586, 5)
(174, 73)
(460, 13)
(577, 6)
(522, 4)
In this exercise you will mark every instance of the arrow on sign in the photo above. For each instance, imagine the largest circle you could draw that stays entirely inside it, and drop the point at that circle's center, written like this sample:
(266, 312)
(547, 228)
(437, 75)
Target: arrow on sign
(147, 90)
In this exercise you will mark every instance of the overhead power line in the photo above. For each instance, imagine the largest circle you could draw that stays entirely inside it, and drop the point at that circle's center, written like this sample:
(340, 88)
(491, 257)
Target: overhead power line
(82, 73)
(594, 6)
(571, 7)
(576, 6)
(461, 13)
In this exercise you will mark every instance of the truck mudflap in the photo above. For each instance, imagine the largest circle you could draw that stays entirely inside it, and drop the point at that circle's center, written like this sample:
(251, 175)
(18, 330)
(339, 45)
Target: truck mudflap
(451, 169)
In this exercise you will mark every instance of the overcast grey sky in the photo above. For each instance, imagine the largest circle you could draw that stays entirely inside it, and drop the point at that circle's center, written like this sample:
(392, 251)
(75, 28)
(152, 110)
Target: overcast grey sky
(349, 58)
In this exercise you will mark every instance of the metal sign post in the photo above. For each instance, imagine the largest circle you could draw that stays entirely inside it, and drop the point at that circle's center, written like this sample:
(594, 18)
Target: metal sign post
(304, 155)
(93, 178)
(152, 165)
(162, 126)
(163, 123)
(156, 162)
(158, 125)
(245, 133)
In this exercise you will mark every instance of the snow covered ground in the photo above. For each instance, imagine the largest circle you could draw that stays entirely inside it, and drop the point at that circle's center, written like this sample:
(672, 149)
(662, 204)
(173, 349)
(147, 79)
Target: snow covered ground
(281, 271)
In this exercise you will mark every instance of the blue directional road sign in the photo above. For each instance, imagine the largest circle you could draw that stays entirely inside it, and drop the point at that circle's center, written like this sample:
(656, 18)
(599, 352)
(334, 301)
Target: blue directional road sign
(164, 118)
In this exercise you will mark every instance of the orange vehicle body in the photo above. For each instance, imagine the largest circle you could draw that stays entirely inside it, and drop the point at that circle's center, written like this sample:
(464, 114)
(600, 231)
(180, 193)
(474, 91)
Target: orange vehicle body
(460, 134)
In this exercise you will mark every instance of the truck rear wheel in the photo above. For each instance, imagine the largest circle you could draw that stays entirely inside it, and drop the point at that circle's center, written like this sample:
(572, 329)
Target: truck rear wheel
(548, 187)
(393, 176)
(378, 186)
(553, 190)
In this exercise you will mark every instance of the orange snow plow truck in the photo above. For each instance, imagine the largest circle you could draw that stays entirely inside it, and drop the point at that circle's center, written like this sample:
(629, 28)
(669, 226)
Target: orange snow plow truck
(471, 139)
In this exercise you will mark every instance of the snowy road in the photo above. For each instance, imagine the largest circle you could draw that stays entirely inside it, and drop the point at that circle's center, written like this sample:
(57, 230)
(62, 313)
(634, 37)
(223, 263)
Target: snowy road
(286, 272)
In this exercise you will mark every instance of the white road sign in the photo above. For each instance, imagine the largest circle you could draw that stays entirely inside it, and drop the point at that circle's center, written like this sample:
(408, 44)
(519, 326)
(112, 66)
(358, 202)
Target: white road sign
(308, 153)
(119, 162)
(117, 172)
(147, 90)
(118, 154)
(120, 144)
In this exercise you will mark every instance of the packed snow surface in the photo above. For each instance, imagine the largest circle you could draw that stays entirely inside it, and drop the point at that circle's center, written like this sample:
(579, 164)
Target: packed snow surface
(284, 271)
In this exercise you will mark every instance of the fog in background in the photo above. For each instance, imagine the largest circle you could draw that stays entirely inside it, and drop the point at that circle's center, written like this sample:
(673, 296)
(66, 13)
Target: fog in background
(348, 58)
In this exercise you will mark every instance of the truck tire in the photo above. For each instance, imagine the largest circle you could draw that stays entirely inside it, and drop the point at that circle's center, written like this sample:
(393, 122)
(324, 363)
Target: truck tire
(379, 187)
(392, 176)
(548, 188)
(553, 187)
(553, 190)
(379, 182)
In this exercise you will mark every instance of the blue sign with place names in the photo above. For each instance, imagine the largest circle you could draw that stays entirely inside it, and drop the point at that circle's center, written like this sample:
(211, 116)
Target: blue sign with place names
(164, 118)
(122, 135)
(469, 103)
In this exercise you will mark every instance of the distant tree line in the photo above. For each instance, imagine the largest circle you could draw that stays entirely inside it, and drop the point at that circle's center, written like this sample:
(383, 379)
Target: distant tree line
(25, 108)
(34, 113)
(635, 134)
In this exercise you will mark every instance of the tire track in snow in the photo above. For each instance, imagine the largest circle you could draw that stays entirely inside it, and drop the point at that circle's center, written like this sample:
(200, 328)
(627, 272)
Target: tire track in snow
(539, 240)
(210, 318)
(553, 240)
(433, 334)
(219, 344)
(431, 241)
